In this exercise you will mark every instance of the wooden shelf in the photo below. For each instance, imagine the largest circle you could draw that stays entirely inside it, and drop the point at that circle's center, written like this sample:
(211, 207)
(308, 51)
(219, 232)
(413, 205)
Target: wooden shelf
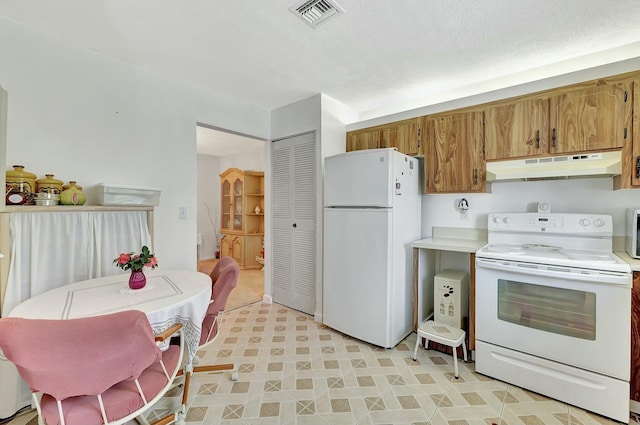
(67, 208)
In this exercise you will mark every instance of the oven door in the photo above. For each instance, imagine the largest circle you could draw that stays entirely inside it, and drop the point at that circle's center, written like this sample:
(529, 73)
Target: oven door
(572, 316)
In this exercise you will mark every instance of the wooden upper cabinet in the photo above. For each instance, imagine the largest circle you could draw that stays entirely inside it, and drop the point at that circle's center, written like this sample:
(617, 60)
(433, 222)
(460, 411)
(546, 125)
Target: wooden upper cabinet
(369, 139)
(405, 136)
(453, 159)
(517, 129)
(593, 116)
(630, 176)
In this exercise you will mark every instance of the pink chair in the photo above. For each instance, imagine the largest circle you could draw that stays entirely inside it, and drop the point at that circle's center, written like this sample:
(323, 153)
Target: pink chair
(224, 278)
(92, 371)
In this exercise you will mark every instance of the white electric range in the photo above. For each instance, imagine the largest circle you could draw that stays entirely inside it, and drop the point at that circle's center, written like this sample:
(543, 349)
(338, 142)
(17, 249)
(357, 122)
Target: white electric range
(553, 309)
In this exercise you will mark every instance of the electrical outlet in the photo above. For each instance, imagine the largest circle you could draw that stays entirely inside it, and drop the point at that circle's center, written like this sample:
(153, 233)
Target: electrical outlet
(182, 213)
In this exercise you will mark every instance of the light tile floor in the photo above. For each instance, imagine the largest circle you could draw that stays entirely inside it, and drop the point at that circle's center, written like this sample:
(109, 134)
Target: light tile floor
(294, 371)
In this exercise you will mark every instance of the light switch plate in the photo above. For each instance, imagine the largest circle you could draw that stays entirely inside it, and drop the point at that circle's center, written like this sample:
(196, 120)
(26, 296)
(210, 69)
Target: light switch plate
(182, 213)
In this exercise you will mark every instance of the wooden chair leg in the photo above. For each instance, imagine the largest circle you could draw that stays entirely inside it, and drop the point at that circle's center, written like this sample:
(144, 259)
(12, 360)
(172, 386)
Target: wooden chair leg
(185, 390)
(213, 368)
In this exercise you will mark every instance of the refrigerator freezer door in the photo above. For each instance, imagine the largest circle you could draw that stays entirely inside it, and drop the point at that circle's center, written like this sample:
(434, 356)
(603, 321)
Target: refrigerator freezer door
(360, 179)
(357, 273)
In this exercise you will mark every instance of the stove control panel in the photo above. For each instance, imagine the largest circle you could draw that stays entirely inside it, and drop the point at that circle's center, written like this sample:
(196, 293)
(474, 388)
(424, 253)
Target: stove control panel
(545, 221)
(551, 223)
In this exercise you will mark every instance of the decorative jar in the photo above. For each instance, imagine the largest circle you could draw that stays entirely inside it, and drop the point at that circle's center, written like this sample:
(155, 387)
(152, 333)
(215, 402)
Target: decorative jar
(21, 179)
(49, 185)
(72, 195)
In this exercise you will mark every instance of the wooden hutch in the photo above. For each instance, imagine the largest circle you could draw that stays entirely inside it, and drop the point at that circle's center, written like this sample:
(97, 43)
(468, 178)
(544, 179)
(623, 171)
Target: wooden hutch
(242, 218)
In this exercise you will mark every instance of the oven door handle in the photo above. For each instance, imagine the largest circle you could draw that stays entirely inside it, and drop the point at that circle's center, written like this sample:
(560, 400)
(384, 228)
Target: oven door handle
(582, 275)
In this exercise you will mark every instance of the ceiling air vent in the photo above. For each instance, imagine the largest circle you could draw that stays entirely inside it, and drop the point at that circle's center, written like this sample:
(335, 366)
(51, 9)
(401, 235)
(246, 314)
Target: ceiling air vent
(315, 12)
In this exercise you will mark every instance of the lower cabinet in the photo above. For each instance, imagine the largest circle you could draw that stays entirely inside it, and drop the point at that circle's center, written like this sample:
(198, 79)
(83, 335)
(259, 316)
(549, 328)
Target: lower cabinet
(242, 248)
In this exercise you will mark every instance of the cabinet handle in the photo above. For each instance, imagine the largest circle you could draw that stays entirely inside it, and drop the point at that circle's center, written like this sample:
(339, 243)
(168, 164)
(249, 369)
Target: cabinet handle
(475, 176)
(553, 138)
(538, 139)
(294, 225)
(638, 167)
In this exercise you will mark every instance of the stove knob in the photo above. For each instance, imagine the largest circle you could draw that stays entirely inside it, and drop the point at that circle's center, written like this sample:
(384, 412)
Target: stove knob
(506, 220)
(584, 222)
(598, 222)
(496, 219)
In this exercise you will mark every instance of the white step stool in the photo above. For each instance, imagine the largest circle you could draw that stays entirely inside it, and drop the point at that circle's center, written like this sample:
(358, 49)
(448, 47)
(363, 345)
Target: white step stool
(442, 334)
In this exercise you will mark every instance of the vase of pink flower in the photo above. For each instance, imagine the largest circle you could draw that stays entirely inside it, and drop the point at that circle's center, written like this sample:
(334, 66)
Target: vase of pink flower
(136, 263)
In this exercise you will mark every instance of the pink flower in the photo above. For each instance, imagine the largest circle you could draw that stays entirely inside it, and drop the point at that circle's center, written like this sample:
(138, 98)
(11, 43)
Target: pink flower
(152, 262)
(123, 258)
(135, 262)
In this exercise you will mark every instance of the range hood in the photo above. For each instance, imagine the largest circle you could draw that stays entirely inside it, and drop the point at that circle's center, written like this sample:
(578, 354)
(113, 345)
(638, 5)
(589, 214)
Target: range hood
(601, 164)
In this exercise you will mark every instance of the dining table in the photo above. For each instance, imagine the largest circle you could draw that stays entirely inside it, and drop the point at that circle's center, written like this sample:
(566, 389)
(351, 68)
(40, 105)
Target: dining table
(169, 297)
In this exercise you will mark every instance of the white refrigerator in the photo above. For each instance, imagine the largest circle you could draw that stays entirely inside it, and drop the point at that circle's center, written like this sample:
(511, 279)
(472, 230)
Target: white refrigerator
(372, 205)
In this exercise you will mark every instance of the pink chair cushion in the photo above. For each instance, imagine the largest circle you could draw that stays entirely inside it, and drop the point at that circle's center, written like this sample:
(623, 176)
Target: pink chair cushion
(74, 360)
(224, 278)
(120, 400)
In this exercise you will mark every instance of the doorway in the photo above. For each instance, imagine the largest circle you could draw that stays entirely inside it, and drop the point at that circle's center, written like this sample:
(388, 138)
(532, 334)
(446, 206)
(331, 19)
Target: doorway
(218, 150)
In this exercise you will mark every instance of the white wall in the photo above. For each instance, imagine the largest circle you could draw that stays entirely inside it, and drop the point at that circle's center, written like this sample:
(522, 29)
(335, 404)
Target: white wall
(589, 195)
(208, 204)
(253, 160)
(87, 117)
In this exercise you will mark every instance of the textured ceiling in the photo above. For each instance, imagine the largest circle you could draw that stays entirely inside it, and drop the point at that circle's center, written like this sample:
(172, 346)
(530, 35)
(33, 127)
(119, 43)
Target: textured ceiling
(380, 57)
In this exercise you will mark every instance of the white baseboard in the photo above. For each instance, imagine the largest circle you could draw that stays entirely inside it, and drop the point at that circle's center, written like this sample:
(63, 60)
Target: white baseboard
(267, 299)
(634, 406)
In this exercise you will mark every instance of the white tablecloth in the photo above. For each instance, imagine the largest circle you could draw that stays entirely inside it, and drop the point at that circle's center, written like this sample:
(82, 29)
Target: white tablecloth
(169, 297)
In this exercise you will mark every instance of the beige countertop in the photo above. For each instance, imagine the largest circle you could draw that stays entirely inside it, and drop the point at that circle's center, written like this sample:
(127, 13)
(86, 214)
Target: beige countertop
(633, 262)
(620, 251)
(453, 239)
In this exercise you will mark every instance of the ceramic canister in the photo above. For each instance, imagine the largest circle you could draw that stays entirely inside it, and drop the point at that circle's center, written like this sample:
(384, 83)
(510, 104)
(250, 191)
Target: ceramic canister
(49, 185)
(72, 195)
(67, 186)
(21, 181)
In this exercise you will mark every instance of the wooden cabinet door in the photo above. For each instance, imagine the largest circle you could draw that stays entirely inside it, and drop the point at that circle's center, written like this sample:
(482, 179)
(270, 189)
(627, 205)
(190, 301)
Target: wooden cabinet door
(595, 117)
(226, 204)
(405, 136)
(454, 161)
(237, 249)
(237, 206)
(225, 246)
(359, 140)
(517, 129)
